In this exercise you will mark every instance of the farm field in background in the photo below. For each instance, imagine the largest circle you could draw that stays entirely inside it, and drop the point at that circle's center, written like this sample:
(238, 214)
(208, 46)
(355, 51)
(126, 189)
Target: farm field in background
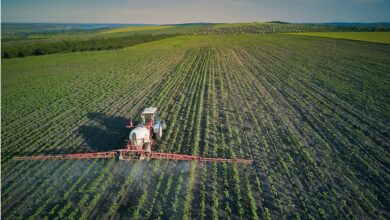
(312, 113)
(135, 29)
(376, 37)
(20, 40)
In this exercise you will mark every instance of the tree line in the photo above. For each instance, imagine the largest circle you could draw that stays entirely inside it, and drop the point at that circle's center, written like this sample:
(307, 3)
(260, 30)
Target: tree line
(18, 49)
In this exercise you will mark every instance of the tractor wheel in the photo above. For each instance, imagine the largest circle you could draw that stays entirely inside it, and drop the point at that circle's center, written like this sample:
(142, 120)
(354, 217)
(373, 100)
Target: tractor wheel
(147, 147)
(163, 124)
(159, 133)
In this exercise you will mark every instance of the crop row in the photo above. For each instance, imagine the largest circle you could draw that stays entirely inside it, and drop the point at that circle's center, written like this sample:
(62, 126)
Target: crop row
(316, 153)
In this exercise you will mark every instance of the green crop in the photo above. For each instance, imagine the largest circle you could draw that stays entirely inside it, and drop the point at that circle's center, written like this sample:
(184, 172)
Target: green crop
(376, 37)
(311, 112)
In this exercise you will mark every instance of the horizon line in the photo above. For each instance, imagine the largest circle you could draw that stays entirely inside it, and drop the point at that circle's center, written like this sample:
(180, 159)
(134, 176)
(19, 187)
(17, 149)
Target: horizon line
(51, 22)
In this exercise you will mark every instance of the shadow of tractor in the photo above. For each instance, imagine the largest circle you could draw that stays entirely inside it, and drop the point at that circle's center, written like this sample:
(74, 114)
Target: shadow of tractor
(104, 133)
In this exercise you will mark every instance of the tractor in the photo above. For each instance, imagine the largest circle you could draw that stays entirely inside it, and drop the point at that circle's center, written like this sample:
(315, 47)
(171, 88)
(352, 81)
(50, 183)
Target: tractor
(142, 138)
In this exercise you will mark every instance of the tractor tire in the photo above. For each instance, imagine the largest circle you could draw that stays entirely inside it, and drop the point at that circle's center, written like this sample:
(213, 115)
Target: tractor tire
(159, 134)
(147, 147)
(163, 124)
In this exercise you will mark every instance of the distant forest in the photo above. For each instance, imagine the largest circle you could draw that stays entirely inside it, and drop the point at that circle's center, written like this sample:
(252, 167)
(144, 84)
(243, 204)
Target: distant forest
(22, 49)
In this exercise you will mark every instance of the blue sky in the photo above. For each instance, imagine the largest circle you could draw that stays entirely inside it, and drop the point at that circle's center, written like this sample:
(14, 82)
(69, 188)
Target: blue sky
(183, 11)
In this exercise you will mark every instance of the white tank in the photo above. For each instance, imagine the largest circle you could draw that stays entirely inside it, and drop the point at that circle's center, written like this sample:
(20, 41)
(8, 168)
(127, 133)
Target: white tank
(139, 136)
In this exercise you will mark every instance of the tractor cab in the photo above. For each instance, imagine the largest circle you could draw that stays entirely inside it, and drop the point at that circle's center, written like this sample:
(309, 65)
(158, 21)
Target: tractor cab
(149, 115)
(151, 120)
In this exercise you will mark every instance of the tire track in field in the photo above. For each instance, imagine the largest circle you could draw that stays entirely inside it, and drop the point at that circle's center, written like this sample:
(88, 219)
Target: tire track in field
(231, 66)
(159, 99)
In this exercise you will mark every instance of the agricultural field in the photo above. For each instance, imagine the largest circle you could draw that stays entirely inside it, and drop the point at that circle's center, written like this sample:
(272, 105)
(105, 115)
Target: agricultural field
(313, 114)
(20, 40)
(136, 29)
(264, 28)
(376, 37)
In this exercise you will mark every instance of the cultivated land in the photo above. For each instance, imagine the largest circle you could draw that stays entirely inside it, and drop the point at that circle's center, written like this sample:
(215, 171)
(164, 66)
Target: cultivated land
(312, 113)
(377, 37)
(135, 29)
(20, 40)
